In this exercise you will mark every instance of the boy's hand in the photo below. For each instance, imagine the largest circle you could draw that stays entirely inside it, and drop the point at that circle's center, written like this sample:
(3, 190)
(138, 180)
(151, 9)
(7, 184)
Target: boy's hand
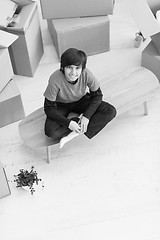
(74, 126)
(83, 122)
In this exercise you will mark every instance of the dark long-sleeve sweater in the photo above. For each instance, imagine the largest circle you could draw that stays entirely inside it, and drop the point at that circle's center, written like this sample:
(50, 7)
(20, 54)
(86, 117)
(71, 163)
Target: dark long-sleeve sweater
(50, 108)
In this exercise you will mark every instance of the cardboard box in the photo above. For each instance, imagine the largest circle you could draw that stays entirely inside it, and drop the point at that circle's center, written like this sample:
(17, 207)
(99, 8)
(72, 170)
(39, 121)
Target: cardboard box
(90, 34)
(156, 40)
(4, 186)
(5, 68)
(154, 5)
(145, 19)
(27, 51)
(6, 39)
(75, 8)
(11, 107)
(151, 59)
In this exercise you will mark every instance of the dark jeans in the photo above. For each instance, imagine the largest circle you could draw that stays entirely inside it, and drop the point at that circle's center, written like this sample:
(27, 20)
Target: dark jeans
(103, 115)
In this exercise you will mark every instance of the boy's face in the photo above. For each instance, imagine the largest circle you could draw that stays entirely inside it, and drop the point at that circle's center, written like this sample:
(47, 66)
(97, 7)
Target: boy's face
(72, 72)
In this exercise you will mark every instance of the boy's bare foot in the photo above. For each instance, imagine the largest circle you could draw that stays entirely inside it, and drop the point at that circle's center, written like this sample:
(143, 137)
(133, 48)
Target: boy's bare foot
(69, 137)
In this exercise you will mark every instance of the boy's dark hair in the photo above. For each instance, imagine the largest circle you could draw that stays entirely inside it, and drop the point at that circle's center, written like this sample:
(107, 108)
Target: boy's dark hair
(73, 56)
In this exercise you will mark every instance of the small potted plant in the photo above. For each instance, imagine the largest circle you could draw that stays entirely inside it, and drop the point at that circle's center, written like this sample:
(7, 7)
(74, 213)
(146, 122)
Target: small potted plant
(27, 178)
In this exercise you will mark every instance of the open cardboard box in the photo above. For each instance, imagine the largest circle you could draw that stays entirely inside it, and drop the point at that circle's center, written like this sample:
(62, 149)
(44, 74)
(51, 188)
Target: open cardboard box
(144, 16)
(90, 34)
(25, 13)
(6, 39)
(52, 9)
(4, 186)
(8, 9)
(27, 51)
(154, 5)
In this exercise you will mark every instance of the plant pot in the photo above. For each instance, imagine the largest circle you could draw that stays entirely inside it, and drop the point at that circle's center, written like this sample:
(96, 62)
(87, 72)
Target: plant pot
(26, 188)
(25, 177)
(138, 40)
(34, 188)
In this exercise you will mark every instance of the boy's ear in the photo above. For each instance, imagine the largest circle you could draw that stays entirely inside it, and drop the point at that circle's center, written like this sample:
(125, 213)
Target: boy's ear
(62, 69)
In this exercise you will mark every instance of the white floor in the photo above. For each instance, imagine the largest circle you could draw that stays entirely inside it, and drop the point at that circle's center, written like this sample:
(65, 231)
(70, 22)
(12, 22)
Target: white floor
(105, 188)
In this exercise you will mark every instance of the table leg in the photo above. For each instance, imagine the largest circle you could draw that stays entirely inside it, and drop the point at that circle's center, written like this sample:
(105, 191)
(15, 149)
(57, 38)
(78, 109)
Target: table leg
(145, 108)
(48, 154)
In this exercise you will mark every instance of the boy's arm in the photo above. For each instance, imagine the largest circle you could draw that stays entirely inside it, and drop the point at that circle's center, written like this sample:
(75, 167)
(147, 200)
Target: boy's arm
(96, 99)
(50, 109)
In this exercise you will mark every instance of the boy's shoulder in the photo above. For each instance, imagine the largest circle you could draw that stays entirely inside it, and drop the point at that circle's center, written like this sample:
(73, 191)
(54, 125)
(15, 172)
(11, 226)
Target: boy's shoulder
(90, 78)
(56, 73)
(87, 72)
(56, 76)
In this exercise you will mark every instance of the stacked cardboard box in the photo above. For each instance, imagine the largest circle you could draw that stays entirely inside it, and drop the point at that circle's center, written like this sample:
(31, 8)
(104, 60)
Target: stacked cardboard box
(75, 8)
(81, 24)
(11, 107)
(144, 14)
(4, 186)
(90, 34)
(27, 51)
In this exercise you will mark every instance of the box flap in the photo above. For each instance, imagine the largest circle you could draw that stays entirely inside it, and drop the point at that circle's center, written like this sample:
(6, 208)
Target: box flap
(9, 91)
(4, 186)
(6, 39)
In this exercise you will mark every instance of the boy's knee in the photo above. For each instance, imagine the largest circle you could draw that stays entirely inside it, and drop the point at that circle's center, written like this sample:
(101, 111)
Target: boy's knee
(109, 109)
(113, 112)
